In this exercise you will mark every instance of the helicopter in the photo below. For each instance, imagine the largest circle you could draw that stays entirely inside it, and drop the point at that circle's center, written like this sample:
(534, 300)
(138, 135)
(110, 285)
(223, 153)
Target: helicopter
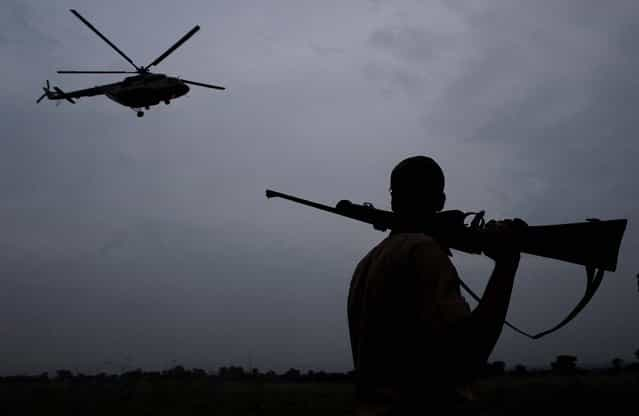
(140, 91)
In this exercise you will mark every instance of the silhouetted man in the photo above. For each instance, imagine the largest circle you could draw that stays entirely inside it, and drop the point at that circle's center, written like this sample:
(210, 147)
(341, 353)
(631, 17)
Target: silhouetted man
(414, 339)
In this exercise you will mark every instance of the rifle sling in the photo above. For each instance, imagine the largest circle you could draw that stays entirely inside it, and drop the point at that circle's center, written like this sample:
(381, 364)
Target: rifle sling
(594, 278)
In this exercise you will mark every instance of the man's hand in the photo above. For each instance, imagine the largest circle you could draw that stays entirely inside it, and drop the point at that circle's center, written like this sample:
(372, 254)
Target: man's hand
(504, 240)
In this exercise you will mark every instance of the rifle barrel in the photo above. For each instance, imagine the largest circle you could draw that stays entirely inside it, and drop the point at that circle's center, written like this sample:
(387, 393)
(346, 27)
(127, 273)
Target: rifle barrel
(274, 194)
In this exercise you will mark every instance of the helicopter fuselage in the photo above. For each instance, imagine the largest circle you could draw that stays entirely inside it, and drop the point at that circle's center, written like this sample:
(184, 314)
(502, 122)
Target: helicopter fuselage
(143, 91)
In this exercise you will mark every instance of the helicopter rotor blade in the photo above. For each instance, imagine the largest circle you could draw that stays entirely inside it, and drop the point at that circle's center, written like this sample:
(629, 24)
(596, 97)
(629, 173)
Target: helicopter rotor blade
(97, 32)
(41, 98)
(173, 48)
(201, 84)
(96, 72)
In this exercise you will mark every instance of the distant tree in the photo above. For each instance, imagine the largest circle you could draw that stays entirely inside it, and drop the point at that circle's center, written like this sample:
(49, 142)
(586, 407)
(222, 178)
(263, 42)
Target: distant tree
(133, 374)
(178, 372)
(496, 368)
(565, 364)
(235, 372)
(152, 375)
(64, 374)
(617, 364)
(292, 374)
(499, 367)
(520, 370)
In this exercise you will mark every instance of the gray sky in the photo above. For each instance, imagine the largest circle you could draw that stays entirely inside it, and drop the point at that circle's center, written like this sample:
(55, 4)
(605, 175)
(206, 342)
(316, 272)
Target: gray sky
(148, 242)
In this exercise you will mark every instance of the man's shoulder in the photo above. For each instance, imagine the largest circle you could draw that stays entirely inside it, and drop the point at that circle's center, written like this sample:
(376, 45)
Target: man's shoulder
(401, 245)
(412, 241)
(418, 238)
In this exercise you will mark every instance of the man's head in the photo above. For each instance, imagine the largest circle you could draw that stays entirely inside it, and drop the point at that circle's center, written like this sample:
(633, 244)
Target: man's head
(417, 187)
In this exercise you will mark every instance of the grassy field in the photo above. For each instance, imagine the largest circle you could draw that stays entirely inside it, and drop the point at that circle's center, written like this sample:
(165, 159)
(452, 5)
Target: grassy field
(507, 394)
(559, 394)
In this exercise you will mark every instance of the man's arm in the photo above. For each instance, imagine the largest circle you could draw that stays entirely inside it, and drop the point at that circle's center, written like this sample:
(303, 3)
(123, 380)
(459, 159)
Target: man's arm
(482, 329)
(468, 336)
(478, 334)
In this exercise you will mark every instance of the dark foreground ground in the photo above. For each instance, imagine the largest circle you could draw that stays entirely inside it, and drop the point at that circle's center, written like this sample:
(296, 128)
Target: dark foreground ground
(511, 395)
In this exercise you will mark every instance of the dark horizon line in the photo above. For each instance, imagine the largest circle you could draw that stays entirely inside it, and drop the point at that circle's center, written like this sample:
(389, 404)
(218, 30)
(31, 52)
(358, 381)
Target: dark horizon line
(255, 371)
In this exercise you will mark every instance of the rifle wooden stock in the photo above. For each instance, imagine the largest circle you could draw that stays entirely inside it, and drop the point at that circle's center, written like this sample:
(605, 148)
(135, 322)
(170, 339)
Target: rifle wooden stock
(593, 243)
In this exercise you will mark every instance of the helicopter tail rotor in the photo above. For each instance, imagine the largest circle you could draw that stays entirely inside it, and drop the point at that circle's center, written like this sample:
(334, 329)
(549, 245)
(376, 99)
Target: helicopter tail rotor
(47, 92)
(57, 95)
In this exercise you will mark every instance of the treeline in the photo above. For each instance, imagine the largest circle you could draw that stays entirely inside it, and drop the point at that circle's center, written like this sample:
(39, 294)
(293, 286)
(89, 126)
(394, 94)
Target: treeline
(562, 365)
(231, 373)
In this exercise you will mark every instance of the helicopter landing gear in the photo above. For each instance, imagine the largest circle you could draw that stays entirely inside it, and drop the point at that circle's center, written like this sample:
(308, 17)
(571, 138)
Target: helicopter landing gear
(140, 113)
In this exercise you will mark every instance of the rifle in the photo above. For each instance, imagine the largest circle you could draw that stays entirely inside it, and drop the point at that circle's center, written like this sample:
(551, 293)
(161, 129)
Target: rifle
(594, 243)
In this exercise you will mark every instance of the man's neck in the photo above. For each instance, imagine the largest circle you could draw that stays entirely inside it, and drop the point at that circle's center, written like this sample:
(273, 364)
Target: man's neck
(423, 225)
(406, 224)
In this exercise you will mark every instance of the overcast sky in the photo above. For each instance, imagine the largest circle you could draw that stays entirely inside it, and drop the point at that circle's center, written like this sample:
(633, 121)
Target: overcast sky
(148, 242)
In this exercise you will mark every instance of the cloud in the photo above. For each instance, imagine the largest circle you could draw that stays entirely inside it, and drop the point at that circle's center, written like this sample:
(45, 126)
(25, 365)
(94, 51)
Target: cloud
(411, 44)
(18, 31)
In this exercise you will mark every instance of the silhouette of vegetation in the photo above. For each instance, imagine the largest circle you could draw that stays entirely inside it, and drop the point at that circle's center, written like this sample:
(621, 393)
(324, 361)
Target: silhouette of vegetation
(617, 364)
(565, 365)
(232, 390)
(634, 367)
(520, 370)
(64, 374)
(496, 368)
